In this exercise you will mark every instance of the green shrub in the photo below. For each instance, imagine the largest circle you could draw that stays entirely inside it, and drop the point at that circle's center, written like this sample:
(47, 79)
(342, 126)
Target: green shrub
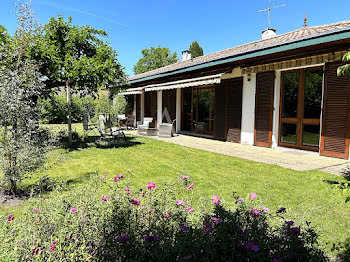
(108, 221)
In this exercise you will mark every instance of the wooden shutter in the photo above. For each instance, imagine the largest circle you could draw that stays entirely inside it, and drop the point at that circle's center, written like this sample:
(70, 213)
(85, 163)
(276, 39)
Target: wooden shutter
(234, 110)
(264, 108)
(169, 101)
(335, 114)
(138, 107)
(220, 110)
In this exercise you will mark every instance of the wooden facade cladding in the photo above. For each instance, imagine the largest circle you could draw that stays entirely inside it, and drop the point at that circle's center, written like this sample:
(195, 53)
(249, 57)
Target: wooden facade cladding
(335, 114)
(151, 105)
(169, 101)
(265, 83)
(138, 107)
(228, 110)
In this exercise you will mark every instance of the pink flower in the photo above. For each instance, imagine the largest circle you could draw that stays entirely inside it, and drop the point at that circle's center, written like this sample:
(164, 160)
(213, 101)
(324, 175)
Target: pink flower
(265, 209)
(216, 220)
(216, 200)
(10, 218)
(184, 177)
(180, 203)
(207, 228)
(128, 191)
(103, 177)
(189, 209)
(53, 243)
(118, 177)
(255, 212)
(52, 248)
(35, 219)
(151, 185)
(135, 201)
(184, 229)
(104, 199)
(240, 200)
(252, 196)
(190, 187)
(167, 215)
(35, 210)
(73, 209)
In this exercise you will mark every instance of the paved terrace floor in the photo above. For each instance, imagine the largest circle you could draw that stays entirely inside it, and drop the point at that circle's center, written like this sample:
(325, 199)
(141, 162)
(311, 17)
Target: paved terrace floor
(289, 158)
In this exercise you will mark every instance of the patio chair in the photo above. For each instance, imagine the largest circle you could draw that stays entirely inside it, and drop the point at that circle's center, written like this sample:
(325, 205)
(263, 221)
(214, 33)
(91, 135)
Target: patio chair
(130, 122)
(121, 120)
(105, 132)
(86, 126)
(166, 129)
(147, 128)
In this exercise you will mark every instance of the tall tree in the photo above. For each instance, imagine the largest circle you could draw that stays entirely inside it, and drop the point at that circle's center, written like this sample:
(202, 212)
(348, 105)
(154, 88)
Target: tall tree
(344, 69)
(76, 57)
(196, 49)
(153, 58)
(4, 36)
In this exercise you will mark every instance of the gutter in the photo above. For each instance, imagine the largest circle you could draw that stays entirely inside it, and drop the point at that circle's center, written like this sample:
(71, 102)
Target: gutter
(286, 46)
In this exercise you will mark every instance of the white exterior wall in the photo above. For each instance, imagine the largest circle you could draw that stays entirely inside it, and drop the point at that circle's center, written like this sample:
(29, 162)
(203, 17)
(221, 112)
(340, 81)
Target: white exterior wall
(276, 109)
(159, 108)
(178, 109)
(134, 111)
(248, 109)
(142, 105)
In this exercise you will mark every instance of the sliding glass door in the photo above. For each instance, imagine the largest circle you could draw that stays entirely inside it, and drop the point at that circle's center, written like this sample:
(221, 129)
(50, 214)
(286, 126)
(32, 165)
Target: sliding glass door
(301, 98)
(203, 102)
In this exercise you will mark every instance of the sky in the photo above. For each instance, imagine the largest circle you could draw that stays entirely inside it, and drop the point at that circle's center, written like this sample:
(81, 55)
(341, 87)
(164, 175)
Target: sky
(133, 25)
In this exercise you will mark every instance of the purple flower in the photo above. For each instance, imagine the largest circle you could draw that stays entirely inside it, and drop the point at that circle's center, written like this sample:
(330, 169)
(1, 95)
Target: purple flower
(189, 209)
(123, 239)
(281, 210)
(240, 232)
(184, 177)
(180, 203)
(190, 187)
(294, 231)
(240, 200)
(184, 229)
(135, 201)
(207, 228)
(276, 259)
(10, 218)
(265, 209)
(255, 212)
(216, 200)
(216, 220)
(252, 246)
(35, 210)
(290, 223)
(252, 196)
(151, 185)
(152, 238)
(73, 209)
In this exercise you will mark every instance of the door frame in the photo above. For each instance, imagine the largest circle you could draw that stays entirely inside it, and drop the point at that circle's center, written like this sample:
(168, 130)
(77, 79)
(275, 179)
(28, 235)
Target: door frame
(299, 120)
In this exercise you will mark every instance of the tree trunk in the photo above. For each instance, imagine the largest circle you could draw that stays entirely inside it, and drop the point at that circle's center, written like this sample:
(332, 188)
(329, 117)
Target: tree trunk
(69, 107)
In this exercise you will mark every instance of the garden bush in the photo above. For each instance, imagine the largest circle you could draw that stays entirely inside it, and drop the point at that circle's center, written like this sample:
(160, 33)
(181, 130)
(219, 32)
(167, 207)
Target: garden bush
(110, 221)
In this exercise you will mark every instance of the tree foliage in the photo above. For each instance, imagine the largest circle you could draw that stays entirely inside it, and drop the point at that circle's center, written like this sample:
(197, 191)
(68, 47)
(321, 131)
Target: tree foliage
(345, 69)
(196, 49)
(76, 54)
(4, 36)
(153, 58)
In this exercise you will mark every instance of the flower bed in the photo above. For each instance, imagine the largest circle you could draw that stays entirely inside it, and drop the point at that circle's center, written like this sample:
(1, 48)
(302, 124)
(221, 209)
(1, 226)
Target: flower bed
(108, 221)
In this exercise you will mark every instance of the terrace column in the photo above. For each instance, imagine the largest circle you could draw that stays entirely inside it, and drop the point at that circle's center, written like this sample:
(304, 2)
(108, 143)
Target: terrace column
(134, 111)
(159, 108)
(178, 110)
(142, 105)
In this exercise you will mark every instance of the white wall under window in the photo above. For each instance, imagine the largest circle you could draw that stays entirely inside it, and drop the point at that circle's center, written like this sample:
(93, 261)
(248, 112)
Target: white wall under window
(248, 109)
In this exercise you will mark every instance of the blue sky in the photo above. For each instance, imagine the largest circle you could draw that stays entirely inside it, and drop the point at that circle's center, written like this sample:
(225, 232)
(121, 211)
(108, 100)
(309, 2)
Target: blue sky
(133, 25)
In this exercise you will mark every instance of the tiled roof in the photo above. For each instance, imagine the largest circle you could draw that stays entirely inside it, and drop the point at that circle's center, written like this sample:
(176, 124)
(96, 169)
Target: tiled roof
(304, 32)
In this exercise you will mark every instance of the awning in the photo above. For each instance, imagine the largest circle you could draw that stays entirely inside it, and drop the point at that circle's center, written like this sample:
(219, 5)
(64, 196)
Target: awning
(199, 81)
(132, 91)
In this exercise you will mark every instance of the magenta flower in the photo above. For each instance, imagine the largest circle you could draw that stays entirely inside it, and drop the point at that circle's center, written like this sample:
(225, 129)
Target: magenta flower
(180, 203)
(35, 219)
(151, 185)
(104, 199)
(207, 228)
(184, 228)
(103, 177)
(252, 246)
(216, 200)
(73, 209)
(240, 200)
(10, 218)
(53, 243)
(35, 210)
(123, 239)
(128, 191)
(118, 178)
(135, 201)
(190, 187)
(189, 209)
(52, 248)
(265, 209)
(281, 210)
(255, 212)
(184, 177)
(152, 238)
(216, 220)
(252, 196)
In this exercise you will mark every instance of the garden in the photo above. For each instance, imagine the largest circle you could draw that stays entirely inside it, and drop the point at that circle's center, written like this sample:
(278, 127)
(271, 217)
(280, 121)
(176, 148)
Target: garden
(67, 195)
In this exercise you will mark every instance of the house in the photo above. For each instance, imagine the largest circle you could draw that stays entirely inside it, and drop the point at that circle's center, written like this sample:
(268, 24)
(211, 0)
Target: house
(280, 91)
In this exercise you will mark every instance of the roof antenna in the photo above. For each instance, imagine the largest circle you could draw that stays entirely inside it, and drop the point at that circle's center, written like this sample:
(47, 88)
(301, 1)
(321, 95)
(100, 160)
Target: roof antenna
(269, 11)
(305, 20)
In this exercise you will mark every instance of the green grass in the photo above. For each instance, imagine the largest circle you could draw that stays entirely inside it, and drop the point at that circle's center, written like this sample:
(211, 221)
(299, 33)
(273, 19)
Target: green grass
(306, 195)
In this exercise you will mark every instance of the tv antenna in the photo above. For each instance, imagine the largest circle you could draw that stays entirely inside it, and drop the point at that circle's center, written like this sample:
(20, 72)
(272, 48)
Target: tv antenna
(269, 10)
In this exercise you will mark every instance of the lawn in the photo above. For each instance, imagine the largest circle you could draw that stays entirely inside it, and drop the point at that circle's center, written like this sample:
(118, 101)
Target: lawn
(308, 196)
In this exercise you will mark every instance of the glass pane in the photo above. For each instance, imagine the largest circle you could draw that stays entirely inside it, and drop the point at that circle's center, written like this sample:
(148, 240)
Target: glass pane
(311, 135)
(289, 133)
(290, 95)
(313, 93)
(194, 107)
(205, 102)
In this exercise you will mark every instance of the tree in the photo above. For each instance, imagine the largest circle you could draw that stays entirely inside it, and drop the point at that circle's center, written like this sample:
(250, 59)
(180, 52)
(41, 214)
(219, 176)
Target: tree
(4, 36)
(153, 58)
(345, 69)
(76, 57)
(21, 145)
(196, 49)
